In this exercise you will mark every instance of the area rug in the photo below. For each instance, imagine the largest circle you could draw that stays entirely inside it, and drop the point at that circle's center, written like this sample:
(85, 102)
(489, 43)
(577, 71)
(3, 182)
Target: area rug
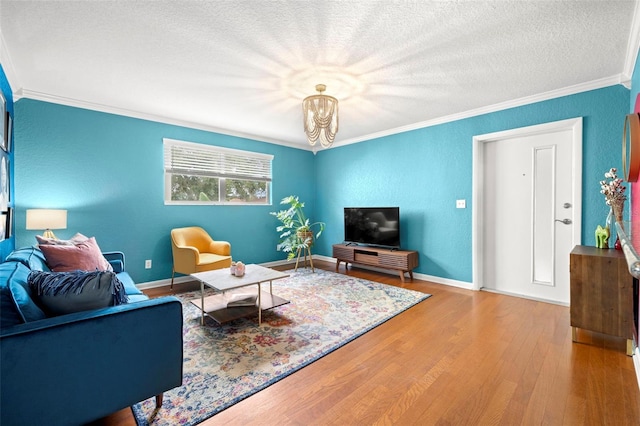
(224, 364)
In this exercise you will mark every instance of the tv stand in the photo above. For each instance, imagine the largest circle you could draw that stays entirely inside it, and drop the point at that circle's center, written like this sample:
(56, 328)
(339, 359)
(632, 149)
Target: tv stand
(398, 260)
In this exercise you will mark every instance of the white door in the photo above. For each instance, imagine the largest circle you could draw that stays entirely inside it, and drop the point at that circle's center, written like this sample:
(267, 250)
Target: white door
(530, 210)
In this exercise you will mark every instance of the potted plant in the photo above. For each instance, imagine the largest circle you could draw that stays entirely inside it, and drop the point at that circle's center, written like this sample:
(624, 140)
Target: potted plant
(296, 230)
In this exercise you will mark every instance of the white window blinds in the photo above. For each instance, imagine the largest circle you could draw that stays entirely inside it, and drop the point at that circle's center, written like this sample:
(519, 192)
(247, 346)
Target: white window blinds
(213, 161)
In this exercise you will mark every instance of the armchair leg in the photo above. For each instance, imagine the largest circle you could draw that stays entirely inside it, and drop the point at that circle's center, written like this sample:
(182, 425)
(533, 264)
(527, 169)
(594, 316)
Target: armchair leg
(173, 273)
(159, 400)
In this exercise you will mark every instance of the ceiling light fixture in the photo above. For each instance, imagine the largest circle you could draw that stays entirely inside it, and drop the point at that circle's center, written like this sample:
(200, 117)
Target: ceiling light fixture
(320, 117)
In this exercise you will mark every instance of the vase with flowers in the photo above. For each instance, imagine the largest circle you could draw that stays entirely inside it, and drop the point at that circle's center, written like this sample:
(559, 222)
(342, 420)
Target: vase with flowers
(614, 195)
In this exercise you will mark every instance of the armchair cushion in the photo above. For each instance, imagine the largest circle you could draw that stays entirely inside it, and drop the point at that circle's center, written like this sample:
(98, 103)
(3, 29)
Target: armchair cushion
(206, 259)
(67, 292)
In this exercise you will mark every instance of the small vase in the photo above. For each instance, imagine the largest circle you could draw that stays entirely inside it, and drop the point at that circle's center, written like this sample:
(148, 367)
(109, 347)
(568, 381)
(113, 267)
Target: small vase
(611, 225)
(617, 208)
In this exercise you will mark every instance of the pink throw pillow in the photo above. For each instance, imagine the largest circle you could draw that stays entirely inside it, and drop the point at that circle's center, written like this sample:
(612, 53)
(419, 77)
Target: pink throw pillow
(73, 240)
(83, 255)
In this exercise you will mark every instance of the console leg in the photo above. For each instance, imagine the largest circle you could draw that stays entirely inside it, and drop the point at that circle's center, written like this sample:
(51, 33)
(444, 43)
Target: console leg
(630, 347)
(401, 275)
(574, 334)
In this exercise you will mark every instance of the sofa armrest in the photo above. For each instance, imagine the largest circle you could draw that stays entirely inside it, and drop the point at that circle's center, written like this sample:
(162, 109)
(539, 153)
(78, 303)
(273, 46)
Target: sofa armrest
(116, 259)
(76, 368)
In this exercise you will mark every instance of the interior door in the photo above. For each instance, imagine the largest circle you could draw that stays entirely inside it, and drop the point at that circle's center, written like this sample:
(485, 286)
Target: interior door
(529, 213)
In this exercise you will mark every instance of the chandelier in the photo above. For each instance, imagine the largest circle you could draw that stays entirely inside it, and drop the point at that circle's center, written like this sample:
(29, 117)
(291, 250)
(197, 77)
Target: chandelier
(320, 117)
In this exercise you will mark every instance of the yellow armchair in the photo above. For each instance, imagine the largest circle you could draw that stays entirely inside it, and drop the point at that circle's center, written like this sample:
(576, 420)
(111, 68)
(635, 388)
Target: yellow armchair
(195, 251)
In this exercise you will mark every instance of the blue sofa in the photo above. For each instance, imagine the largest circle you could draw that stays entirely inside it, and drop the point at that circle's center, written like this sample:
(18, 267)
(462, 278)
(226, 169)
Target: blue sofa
(75, 368)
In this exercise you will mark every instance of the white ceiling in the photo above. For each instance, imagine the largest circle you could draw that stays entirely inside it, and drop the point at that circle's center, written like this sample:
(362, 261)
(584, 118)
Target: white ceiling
(242, 67)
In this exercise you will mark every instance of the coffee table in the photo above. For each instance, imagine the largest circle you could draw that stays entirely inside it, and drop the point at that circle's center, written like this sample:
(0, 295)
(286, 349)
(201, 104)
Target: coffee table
(215, 306)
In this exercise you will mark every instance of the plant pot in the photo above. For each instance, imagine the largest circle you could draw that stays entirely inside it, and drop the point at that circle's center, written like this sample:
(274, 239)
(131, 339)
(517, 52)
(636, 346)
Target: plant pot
(305, 236)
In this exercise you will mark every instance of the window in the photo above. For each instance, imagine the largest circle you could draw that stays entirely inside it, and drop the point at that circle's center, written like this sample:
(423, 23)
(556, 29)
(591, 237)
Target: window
(204, 174)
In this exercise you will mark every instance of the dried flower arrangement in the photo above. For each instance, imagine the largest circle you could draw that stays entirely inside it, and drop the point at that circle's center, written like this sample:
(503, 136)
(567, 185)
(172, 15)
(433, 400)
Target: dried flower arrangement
(613, 191)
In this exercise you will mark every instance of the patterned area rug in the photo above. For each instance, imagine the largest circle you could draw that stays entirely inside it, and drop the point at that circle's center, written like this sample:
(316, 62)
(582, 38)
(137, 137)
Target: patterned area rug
(225, 364)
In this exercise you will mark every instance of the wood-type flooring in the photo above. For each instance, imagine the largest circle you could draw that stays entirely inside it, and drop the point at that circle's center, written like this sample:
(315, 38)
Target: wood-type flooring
(459, 358)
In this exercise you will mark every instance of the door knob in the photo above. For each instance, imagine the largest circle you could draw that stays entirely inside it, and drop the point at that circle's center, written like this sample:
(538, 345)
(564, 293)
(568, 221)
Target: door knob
(565, 221)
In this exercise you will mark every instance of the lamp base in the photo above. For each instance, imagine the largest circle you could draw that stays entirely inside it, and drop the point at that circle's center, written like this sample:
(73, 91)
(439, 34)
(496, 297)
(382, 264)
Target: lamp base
(49, 234)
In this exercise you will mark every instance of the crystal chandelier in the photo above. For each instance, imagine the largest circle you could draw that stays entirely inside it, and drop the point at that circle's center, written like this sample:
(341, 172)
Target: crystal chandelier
(320, 117)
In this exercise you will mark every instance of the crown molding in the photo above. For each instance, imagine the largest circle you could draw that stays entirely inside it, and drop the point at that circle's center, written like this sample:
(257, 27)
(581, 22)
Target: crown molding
(571, 90)
(633, 44)
(45, 97)
(567, 91)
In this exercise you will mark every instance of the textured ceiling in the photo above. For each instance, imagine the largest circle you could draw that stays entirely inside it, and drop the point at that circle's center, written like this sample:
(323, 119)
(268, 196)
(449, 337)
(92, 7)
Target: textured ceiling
(244, 66)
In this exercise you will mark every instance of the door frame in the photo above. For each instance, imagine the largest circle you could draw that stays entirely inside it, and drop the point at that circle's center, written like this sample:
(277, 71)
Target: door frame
(477, 221)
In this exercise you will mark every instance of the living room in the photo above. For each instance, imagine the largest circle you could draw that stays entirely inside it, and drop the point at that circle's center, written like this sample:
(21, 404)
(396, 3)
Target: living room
(105, 167)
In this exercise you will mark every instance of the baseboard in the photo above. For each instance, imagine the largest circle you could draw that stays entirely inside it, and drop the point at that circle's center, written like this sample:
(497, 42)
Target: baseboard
(186, 279)
(162, 283)
(437, 280)
(444, 281)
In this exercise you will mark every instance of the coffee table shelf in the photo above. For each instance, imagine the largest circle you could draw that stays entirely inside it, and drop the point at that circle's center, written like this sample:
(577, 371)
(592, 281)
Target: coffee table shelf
(221, 280)
(215, 306)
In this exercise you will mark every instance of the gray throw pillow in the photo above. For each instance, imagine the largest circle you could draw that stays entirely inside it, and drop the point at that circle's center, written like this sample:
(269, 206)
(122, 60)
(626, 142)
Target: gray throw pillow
(65, 292)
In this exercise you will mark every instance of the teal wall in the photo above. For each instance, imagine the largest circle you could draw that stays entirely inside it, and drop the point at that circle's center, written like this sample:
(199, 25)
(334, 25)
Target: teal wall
(8, 244)
(107, 171)
(425, 171)
(635, 84)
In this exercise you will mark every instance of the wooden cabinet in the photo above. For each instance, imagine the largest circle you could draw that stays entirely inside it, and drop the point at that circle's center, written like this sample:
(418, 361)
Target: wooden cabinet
(603, 294)
(399, 260)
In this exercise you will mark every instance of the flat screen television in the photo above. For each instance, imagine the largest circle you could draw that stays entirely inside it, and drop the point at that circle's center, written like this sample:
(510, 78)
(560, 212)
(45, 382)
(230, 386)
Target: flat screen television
(372, 226)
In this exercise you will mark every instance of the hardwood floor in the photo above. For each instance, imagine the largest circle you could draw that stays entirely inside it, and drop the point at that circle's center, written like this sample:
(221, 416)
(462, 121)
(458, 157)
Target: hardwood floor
(459, 358)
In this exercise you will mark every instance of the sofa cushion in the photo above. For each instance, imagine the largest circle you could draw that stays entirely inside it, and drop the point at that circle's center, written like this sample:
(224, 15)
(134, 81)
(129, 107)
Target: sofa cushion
(84, 256)
(66, 292)
(31, 257)
(137, 298)
(21, 294)
(129, 286)
(9, 314)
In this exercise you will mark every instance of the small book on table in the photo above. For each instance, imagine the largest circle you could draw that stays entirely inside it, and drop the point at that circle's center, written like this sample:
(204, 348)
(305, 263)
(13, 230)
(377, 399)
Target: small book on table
(237, 300)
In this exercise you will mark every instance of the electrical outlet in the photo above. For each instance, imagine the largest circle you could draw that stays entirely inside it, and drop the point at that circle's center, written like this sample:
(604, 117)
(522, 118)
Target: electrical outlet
(461, 204)
(147, 264)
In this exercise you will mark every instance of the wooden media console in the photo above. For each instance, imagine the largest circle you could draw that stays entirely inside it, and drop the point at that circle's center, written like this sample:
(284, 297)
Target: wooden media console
(398, 260)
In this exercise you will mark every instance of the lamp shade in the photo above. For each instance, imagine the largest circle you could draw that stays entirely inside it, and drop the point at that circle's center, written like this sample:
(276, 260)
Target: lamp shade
(39, 219)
